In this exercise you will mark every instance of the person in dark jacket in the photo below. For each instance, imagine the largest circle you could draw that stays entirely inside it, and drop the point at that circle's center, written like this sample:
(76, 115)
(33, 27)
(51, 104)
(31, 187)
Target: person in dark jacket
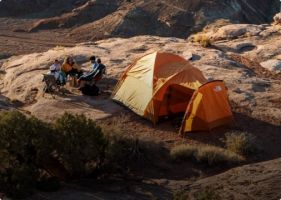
(94, 63)
(93, 76)
(100, 71)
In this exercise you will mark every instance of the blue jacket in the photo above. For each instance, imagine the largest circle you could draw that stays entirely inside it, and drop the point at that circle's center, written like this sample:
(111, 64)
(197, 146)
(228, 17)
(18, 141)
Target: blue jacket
(100, 69)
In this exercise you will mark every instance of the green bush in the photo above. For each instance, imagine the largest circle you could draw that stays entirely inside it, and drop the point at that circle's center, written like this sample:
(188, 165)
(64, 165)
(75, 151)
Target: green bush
(82, 143)
(24, 147)
(123, 150)
(33, 152)
(242, 143)
(206, 154)
(18, 181)
(29, 147)
(25, 139)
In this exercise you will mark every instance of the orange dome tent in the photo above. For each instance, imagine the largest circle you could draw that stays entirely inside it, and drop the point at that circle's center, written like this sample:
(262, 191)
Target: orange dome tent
(160, 84)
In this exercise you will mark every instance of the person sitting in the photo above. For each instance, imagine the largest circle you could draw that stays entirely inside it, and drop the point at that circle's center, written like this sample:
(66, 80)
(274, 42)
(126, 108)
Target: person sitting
(100, 71)
(56, 73)
(69, 67)
(93, 62)
(57, 65)
(93, 76)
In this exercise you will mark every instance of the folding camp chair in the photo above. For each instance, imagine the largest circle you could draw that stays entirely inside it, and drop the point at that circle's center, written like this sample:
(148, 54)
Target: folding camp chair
(51, 86)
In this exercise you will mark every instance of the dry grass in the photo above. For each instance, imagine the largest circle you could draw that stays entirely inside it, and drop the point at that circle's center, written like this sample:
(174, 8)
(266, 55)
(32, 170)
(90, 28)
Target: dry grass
(202, 39)
(206, 154)
(183, 152)
(58, 48)
(242, 143)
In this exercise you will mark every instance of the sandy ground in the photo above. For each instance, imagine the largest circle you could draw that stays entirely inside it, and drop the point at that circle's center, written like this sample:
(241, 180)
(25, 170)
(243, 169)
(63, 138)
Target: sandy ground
(15, 41)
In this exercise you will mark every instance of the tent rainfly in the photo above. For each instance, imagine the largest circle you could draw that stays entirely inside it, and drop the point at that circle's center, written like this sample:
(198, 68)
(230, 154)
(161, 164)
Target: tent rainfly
(161, 84)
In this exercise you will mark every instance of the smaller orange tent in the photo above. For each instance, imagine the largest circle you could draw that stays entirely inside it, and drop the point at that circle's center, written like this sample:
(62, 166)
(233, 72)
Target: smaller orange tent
(161, 84)
(208, 108)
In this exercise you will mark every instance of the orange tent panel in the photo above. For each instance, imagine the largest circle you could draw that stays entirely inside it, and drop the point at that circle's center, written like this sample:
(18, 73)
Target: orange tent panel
(209, 108)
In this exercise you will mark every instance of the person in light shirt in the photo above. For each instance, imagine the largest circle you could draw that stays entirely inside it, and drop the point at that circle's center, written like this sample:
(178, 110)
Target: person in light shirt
(56, 65)
(55, 71)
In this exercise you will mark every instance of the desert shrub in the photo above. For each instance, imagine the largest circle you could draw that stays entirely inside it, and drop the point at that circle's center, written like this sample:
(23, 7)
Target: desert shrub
(25, 145)
(183, 152)
(123, 151)
(242, 143)
(121, 148)
(206, 154)
(82, 143)
(203, 40)
(208, 193)
(25, 139)
(30, 148)
(32, 152)
(18, 181)
(212, 155)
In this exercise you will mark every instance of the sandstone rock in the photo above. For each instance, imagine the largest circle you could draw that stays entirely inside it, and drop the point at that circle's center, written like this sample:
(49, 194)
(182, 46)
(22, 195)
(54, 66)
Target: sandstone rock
(22, 77)
(236, 30)
(261, 179)
(244, 46)
(272, 65)
(277, 18)
(189, 56)
(4, 55)
(138, 17)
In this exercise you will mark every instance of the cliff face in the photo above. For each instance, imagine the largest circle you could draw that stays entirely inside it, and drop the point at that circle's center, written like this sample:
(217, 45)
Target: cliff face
(258, 11)
(106, 18)
(42, 8)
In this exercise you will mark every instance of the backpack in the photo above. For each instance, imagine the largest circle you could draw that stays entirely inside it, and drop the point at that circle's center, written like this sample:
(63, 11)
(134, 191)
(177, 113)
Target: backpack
(90, 90)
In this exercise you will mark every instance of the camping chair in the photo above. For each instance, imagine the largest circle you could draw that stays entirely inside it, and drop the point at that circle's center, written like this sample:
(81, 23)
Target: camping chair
(90, 78)
(51, 85)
